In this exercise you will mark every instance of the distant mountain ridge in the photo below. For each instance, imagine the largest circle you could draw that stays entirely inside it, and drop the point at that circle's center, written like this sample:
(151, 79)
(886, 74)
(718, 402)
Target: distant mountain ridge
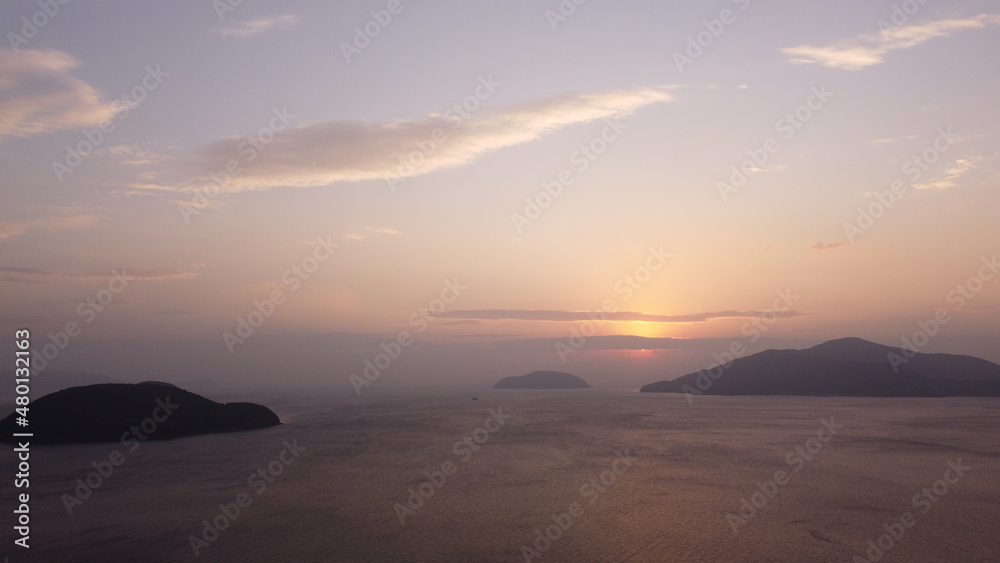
(946, 366)
(843, 367)
(543, 380)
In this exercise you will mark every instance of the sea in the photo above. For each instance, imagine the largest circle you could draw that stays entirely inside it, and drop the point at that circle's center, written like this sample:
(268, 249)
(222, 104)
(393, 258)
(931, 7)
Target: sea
(473, 475)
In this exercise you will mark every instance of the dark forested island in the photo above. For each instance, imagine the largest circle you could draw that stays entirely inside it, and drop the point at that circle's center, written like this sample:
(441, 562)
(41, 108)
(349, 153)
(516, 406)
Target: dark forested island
(843, 367)
(118, 412)
(542, 380)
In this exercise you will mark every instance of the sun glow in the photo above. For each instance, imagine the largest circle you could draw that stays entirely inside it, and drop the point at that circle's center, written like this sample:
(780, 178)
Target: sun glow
(645, 329)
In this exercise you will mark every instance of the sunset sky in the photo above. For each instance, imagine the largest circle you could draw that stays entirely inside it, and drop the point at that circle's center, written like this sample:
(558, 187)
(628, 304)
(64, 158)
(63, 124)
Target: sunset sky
(485, 177)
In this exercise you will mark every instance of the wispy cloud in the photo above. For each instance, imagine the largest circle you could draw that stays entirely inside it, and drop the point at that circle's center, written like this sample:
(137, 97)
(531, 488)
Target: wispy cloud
(131, 155)
(151, 189)
(352, 151)
(620, 316)
(383, 230)
(39, 95)
(376, 230)
(258, 26)
(870, 49)
(952, 174)
(622, 342)
(35, 275)
(50, 219)
(158, 275)
(821, 246)
(489, 335)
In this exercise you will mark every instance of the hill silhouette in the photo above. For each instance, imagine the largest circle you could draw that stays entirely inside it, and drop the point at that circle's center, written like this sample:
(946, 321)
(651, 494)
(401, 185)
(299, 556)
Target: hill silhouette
(844, 367)
(938, 366)
(542, 380)
(45, 382)
(108, 412)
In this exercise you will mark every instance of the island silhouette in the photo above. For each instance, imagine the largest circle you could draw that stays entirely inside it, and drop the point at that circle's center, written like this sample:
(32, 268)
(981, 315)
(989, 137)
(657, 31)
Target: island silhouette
(843, 367)
(543, 380)
(117, 412)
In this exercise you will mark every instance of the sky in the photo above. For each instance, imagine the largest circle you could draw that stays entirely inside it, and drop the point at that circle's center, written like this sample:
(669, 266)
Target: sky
(295, 193)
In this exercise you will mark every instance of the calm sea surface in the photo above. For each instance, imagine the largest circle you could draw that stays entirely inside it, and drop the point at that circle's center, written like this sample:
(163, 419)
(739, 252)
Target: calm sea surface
(587, 475)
